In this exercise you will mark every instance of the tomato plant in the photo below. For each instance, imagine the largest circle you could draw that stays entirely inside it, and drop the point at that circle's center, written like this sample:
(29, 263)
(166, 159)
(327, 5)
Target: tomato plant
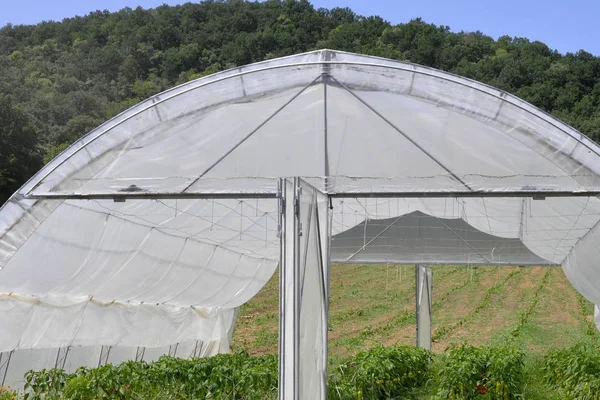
(470, 372)
(380, 373)
(574, 371)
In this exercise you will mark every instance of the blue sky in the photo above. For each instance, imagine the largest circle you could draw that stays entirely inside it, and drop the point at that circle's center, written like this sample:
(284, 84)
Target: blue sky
(565, 25)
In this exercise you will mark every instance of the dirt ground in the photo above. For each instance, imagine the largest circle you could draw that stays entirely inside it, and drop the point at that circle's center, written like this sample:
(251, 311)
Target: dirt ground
(375, 304)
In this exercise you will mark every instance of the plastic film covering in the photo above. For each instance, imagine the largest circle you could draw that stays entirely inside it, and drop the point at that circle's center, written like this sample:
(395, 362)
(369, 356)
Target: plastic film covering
(464, 136)
(314, 301)
(490, 231)
(304, 302)
(173, 267)
(147, 274)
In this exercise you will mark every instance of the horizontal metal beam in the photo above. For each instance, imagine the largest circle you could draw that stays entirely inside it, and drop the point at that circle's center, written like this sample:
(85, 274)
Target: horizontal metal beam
(148, 196)
(455, 263)
(539, 195)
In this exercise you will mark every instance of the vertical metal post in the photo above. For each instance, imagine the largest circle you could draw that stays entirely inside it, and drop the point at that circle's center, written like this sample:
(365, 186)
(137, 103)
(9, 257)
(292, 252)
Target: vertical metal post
(140, 351)
(173, 349)
(326, 79)
(424, 279)
(61, 357)
(4, 364)
(104, 353)
(323, 227)
(289, 293)
(197, 348)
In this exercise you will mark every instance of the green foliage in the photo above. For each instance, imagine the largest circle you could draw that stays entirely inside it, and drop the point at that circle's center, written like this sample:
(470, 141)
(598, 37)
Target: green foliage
(524, 315)
(19, 157)
(575, 372)
(380, 373)
(470, 372)
(463, 372)
(45, 384)
(231, 376)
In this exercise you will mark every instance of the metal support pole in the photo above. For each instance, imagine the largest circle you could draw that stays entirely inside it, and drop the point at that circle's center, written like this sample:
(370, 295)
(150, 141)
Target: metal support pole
(104, 353)
(139, 354)
(4, 364)
(303, 292)
(424, 280)
(173, 349)
(323, 227)
(61, 357)
(289, 293)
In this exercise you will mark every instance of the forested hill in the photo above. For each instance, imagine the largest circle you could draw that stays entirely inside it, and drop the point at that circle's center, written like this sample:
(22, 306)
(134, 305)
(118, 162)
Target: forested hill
(58, 80)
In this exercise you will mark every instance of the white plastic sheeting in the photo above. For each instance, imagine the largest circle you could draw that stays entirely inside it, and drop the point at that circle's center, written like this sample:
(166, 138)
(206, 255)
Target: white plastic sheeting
(172, 264)
(124, 275)
(415, 237)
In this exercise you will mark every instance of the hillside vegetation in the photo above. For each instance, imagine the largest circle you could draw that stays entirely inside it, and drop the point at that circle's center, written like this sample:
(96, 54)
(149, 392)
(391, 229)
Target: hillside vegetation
(58, 80)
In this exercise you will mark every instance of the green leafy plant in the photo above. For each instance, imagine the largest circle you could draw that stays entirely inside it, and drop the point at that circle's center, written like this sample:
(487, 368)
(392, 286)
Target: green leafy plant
(45, 384)
(381, 373)
(574, 371)
(524, 315)
(227, 376)
(470, 372)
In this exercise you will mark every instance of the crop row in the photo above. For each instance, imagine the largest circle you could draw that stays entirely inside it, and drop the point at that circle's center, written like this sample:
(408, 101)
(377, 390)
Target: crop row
(524, 315)
(574, 372)
(444, 330)
(378, 373)
(405, 316)
(584, 315)
(461, 373)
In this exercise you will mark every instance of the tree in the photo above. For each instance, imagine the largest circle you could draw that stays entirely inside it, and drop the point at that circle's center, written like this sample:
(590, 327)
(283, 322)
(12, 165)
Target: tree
(67, 77)
(20, 157)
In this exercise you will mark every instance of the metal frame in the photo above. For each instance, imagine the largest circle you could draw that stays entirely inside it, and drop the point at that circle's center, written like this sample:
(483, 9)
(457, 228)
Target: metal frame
(61, 357)
(4, 365)
(150, 196)
(424, 287)
(139, 353)
(197, 349)
(291, 380)
(289, 275)
(248, 136)
(173, 349)
(324, 238)
(289, 217)
(400, 66)
(535, 195)
(401, 261)
(403, 134)
(104, 354)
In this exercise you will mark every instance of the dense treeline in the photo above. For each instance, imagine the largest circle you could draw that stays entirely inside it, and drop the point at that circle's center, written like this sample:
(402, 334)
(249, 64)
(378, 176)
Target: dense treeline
(58, 80)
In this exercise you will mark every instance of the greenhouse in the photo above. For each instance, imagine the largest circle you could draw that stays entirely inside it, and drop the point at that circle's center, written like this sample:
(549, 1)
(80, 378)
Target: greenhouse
(145, 236)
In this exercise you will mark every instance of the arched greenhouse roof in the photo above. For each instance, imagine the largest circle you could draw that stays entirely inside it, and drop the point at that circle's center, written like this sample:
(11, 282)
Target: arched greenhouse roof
(153, 228)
